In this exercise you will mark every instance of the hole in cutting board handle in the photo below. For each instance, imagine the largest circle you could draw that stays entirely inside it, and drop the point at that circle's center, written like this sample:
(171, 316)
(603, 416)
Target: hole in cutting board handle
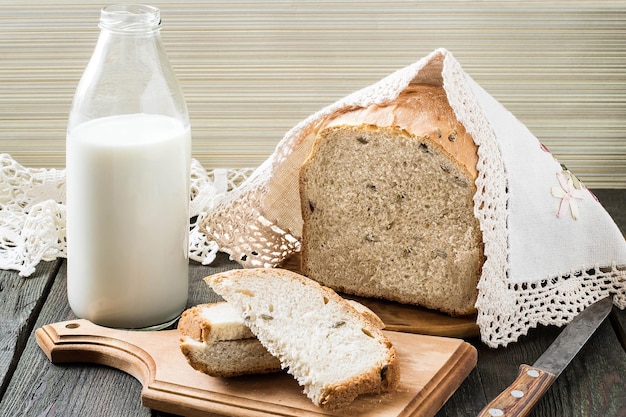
(72, 325)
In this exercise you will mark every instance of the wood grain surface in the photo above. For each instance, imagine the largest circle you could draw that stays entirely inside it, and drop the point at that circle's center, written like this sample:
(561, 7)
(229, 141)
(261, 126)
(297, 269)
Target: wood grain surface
(593, 385)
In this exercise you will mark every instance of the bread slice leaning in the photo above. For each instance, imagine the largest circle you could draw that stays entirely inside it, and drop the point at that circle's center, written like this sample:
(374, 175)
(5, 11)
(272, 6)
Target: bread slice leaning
(387, 204)
(215, 341)
(334, 353)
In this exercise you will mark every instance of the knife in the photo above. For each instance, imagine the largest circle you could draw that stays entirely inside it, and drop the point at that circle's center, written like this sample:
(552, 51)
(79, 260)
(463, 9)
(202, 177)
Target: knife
(532, 382)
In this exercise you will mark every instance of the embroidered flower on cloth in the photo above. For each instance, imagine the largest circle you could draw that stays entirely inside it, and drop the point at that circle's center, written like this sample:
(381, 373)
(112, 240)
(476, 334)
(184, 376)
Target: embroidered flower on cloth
(569, 190)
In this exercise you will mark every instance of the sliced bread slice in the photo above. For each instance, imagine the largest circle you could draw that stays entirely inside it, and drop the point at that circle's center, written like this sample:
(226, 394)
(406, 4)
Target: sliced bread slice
(334, 353)
(216, 341)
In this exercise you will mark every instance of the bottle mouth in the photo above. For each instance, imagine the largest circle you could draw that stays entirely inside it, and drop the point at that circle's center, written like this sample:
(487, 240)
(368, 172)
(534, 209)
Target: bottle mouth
(130, 18)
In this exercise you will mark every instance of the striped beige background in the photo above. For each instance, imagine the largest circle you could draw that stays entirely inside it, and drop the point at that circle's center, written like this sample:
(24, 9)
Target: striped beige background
(252, 69)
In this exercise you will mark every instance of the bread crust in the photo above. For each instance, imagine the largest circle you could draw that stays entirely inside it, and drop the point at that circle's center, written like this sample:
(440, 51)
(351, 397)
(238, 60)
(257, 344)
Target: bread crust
(195, 324)
(423, 111)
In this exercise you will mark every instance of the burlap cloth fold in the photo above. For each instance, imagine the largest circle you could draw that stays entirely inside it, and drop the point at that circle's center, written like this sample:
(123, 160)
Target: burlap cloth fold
(551, 249)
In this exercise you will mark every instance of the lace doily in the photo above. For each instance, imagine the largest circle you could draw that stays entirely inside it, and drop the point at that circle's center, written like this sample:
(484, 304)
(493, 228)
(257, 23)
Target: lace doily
(542, 265)
(32, 212)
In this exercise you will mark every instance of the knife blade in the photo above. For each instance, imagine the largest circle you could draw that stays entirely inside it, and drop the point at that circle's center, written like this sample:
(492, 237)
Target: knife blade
(532, 382)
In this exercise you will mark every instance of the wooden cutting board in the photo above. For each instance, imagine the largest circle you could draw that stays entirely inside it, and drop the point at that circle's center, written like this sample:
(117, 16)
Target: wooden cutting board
(432, 368)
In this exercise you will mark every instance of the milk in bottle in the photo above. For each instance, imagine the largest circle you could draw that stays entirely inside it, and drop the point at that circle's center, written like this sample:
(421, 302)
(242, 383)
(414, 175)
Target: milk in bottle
(128, 154)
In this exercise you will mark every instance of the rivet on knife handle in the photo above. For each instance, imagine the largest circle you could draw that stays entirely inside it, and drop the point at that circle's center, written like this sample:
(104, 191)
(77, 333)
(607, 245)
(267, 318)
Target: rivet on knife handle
(520, 397)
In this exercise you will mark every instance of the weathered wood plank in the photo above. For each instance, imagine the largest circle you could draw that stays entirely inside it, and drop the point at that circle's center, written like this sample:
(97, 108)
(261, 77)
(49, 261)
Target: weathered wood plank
(199, 291)
(39, 388)
(614, 201)
(76, 389)
(21, 300)
(593, 384)
(618, 320)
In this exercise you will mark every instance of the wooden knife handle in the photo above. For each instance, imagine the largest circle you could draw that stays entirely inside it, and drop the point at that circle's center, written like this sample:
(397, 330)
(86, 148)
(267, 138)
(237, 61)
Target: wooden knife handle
(521, 396)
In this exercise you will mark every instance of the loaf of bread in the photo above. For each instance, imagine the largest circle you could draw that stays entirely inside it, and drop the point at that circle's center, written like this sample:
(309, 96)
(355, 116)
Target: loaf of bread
(387, 204)
(216, 341)
(334, 353)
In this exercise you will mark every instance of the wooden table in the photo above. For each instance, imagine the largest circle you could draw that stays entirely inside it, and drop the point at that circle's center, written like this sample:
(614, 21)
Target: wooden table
(593, 385)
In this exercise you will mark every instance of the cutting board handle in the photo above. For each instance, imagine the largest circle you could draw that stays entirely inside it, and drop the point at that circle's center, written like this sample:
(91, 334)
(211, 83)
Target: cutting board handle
(82, 341)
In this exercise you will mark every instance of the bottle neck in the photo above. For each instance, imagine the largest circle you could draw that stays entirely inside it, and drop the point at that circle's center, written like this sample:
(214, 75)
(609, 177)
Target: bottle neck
(129, 72)
(130, 19)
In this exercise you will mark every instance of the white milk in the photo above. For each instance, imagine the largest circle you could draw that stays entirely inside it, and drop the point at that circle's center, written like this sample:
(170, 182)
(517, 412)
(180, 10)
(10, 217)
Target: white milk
(128, 219)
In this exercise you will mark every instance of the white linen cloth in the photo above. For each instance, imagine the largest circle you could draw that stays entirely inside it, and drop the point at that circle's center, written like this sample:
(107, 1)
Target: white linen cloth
(551, 248)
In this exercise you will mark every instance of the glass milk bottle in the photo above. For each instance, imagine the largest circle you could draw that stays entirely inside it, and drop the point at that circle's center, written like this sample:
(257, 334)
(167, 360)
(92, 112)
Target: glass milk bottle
(128, 155)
